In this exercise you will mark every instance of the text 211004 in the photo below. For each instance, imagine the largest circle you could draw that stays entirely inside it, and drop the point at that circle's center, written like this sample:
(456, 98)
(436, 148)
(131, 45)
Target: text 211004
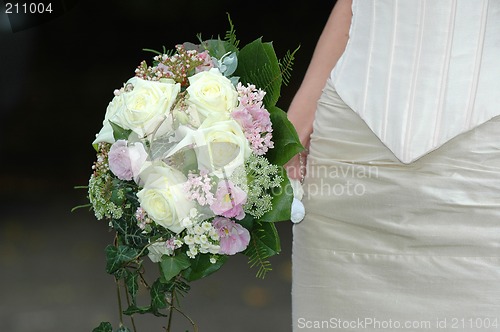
(28, 8)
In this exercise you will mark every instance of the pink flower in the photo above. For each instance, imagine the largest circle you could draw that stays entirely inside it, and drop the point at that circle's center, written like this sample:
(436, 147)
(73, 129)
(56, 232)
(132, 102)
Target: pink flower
(207, 62)
(125, 161)
(243, 117)
(233, 237)
(254, 119)
(229, 200)
(198, 187)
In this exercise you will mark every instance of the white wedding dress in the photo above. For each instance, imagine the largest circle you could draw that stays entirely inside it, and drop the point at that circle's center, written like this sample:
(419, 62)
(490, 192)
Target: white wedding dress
(402, 193)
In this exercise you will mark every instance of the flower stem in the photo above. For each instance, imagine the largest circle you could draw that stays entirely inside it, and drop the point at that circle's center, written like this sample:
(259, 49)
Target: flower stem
(119, 301)
(132, 320)
(195, 327)
(171, 311)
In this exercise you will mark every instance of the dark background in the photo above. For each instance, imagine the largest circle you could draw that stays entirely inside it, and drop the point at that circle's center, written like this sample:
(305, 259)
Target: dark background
(57, 75)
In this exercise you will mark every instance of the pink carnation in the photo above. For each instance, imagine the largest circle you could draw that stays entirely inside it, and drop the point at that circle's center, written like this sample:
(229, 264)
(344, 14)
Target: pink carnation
(229, 200)
(125, 161)
(234, 238)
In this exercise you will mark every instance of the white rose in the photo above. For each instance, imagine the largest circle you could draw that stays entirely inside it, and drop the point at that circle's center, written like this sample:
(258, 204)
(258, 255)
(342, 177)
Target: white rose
(221, 147)
(211, 92)
(163, 196)
(106, 133)
(143, 106)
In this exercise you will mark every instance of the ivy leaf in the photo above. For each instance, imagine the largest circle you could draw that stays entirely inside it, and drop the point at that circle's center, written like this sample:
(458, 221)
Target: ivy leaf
(132, 309)
(118, 257)
(202, 267)
(130, 233)
(170, 266)
(157, 293)
(132, 284)
(123, 328)
(103, 327)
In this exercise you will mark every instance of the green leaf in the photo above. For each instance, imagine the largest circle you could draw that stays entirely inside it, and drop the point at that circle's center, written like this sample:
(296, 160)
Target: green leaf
(217, 47)
(132, 309)
(123, 328)
(202, 267)
(268, 238)
(129, 232)
(118, 257)
(264, 243)
(132, 284)
(247, 221)
(258, 64)
(285, 138)
(170, 266)
(103, 327)
(157, 293)
(119, 132)
(281, 202)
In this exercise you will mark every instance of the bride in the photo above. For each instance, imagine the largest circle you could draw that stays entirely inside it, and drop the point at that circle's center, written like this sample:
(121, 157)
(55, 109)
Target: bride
(401, 101)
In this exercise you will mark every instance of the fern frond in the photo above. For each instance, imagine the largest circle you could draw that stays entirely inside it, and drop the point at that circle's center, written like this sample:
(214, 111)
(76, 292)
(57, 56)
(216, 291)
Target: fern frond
(263, 78)
(286, 65)
(231, 34)
(258, 253)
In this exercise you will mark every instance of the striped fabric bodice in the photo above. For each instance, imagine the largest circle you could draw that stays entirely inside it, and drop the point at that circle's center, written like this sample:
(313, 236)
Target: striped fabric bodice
(420, 72)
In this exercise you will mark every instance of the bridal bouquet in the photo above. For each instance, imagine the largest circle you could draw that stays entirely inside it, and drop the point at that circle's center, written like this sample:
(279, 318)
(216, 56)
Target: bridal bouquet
(189, 168)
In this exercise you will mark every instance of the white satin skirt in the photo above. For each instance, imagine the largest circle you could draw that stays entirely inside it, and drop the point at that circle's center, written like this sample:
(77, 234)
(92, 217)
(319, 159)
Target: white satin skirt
(387, 246)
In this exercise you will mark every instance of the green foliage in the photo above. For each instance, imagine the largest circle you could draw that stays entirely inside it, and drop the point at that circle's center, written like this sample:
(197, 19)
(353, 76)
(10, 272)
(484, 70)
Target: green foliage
(132, 285)
(285, 138)
(119, 132)
(171, 266)
(281, 200)
(158, 298)
(286, 65)
(103, 327)
(264, 243)
(218, 47)
(202, 267)
(231, 34)
(130, 233)
(258, 65)
(119, 256)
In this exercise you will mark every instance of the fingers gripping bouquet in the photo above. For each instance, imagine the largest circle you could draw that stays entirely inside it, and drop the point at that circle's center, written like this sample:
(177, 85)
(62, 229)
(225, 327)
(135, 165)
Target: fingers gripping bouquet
(189, 167)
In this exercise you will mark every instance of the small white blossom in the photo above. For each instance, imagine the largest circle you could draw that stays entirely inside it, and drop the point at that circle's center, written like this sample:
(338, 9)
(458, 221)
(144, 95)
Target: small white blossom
(189, 240)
